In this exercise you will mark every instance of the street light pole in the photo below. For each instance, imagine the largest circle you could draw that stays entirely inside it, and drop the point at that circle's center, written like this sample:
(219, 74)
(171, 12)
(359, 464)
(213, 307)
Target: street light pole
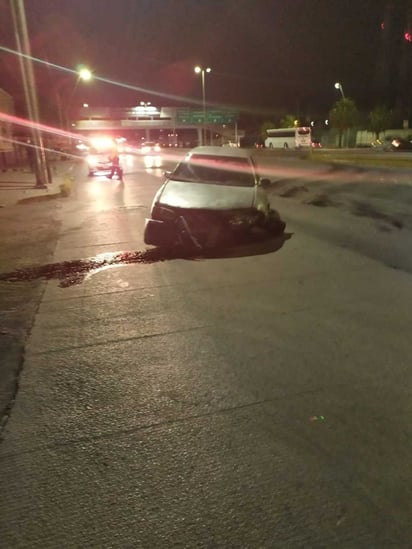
(43, 176)
(200, 70)
(145, 105)
(65, 89)
(339, 87)
(83, 75)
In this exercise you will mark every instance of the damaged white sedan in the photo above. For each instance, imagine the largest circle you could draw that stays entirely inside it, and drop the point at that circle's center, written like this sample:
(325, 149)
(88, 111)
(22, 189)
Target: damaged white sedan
(214, 197)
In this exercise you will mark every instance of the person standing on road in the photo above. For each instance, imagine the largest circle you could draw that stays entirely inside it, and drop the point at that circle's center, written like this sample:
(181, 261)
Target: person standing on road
(116, 169)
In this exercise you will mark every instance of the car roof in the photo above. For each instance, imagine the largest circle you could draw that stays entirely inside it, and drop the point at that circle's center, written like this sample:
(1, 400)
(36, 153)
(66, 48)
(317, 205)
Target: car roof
(220, 151)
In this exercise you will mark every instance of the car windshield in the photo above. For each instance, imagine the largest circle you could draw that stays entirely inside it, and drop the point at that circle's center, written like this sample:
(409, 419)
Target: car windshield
(217, 170)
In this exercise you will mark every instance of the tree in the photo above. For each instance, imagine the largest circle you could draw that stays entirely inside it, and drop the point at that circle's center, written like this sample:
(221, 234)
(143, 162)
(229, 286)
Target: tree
(344, 115)
(266, 126)
(288, 121)
(380, 120)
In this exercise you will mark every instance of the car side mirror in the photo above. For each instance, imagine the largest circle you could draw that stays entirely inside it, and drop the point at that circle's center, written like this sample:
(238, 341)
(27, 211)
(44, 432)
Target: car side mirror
(167, 174)
(264, 183)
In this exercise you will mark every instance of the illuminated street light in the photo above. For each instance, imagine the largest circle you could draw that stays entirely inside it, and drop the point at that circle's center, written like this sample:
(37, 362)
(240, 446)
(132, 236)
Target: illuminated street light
(200, 70)
(85, 74)
(339, 87)
(146, 109)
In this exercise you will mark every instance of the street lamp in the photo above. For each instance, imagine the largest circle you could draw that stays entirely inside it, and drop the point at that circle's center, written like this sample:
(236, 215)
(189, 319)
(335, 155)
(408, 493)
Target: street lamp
(339, 87)
(146, 109)
(200, 70)
(83, 74)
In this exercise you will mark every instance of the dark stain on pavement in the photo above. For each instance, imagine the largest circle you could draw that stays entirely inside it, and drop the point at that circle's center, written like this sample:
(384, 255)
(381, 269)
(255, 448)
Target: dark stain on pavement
(75, 271)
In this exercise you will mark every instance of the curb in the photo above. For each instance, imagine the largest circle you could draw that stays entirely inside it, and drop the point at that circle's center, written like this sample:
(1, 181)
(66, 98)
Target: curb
(65, 191)
(40, 198)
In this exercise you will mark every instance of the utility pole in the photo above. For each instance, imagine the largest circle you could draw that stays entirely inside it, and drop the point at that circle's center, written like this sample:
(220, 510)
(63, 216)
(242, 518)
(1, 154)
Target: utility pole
(43, 176)
(202, 72)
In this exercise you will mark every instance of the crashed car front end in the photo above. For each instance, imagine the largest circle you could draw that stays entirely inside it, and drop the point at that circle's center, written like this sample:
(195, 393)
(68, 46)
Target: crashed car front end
(208, 227)
(212, 198)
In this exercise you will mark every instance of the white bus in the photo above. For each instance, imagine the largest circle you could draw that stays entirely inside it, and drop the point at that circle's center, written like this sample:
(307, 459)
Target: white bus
(288, 138)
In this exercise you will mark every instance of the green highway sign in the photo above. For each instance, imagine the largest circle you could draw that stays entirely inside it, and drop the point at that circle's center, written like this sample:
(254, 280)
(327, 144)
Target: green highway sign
(189, 116)
(221, 117)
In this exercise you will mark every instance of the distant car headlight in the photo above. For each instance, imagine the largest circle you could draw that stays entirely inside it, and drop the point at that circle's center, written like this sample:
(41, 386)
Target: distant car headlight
(92, 161)
(152, 161)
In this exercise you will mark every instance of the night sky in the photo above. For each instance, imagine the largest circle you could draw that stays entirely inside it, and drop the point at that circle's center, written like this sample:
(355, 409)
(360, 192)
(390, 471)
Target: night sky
(265, 55)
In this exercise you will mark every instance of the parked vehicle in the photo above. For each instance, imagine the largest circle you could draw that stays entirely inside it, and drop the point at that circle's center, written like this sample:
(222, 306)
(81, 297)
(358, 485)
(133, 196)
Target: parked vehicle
(394, 144)
(213, 196)
(401, 144)
(288, 138)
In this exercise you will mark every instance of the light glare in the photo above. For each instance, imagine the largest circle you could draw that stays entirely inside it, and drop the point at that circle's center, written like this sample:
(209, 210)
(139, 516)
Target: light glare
(85, 74)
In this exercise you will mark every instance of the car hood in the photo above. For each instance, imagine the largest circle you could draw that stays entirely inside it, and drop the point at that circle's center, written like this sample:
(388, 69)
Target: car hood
(183, 194)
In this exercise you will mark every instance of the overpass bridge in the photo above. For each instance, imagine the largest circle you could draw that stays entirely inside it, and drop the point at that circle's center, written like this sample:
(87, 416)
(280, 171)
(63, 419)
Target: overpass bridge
(170, 125)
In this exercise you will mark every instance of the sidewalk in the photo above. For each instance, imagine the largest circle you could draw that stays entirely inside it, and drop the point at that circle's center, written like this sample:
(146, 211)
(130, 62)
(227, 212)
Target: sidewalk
(19, 186)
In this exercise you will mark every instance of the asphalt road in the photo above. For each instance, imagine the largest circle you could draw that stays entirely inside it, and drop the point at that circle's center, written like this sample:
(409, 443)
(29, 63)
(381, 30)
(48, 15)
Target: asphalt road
(258, 400)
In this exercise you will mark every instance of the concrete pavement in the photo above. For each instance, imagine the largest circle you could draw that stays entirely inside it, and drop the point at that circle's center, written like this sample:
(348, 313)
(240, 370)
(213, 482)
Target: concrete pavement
(256, 401)
(19, 185)
(178, 404)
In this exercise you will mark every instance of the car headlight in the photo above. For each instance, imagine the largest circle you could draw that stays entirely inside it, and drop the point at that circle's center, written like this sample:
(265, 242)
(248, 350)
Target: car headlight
(161, 213)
